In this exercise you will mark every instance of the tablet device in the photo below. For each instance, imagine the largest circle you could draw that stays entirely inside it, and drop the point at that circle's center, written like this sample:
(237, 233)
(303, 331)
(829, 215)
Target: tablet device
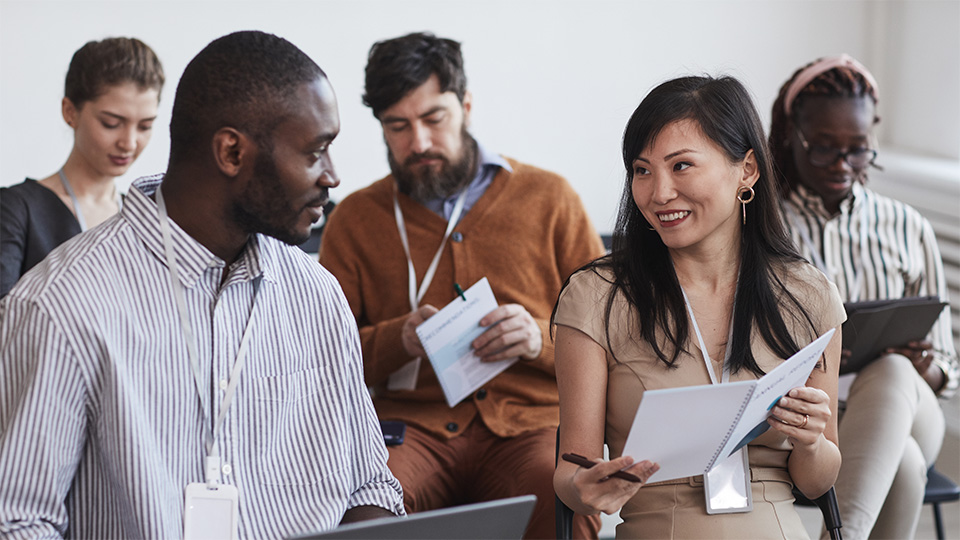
(876, 325)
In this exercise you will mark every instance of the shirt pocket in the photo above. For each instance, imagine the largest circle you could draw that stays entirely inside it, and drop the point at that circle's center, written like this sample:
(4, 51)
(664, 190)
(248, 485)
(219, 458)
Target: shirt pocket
(299, 443)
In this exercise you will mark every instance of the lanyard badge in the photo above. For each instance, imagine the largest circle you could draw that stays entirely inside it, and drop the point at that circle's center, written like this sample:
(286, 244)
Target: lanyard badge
(211, 513)
(211, 509)
(726, 487)
(405, 378)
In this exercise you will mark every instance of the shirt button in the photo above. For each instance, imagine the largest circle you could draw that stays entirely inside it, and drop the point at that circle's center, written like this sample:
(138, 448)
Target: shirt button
(227, 469)
(482, 393)
(456, 237)
(223, 384)
(452, 426)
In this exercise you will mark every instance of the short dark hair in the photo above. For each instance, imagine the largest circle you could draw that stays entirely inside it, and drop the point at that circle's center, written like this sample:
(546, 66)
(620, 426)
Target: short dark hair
(395, 67)
(243, 80)
(109, 62)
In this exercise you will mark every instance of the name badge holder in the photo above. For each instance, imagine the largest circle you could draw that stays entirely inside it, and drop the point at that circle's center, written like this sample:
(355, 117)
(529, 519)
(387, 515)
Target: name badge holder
(211, 509)
(211, 513)
(726, 487)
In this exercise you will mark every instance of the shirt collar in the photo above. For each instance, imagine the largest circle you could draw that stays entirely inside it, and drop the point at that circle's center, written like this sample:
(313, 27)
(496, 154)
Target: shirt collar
(487, 159)
(810, 201)
(193, 259)
(488, 166)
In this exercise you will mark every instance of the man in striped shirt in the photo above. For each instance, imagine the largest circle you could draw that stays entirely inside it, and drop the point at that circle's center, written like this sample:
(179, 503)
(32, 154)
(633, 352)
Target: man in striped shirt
(155, 352)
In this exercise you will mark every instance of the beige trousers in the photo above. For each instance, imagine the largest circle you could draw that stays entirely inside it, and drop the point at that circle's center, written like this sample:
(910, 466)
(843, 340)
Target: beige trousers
(890, 434)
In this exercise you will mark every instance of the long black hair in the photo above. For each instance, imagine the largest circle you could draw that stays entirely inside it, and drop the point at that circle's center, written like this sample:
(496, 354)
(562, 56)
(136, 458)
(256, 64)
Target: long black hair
(641, 266)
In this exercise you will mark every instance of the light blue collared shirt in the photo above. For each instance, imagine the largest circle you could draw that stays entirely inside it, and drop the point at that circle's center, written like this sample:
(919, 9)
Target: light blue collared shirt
(490, 164)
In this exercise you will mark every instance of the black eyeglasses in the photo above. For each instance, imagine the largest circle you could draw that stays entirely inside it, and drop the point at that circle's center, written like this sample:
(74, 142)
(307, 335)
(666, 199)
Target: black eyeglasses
(825, 156)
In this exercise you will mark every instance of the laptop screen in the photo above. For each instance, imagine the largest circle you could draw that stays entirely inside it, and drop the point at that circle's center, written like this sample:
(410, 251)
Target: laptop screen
(502, 518)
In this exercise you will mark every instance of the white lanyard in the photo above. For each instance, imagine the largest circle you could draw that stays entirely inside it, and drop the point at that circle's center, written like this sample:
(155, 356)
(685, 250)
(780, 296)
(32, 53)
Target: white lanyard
(76, 205)
(853, 294)
(726, 487)
(212, 462)
(417, 295)
(73, 198)
(725, 377)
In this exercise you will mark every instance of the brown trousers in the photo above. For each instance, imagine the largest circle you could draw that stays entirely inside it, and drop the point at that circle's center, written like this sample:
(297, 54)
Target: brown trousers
(480, 466)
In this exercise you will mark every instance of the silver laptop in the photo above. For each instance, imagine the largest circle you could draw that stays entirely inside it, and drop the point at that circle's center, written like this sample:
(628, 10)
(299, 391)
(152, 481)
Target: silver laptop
(502, 518)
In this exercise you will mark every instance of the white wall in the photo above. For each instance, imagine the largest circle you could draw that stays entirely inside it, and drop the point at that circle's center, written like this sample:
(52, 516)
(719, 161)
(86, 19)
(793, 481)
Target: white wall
(553, 81)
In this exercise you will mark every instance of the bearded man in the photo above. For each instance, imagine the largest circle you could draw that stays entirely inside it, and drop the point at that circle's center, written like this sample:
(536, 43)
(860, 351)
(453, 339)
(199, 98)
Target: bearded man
(450, 213)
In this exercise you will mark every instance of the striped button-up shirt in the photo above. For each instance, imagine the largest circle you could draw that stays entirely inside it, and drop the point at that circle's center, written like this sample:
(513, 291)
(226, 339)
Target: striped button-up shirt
(101, 424)
(900, 257)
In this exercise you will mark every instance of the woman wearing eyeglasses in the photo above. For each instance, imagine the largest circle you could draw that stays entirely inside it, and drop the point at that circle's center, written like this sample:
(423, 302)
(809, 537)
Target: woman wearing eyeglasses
(872, 247)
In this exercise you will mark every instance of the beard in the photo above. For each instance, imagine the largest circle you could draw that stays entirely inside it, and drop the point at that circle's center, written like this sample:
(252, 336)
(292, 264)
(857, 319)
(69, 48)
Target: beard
(424, 183)
(264, 206)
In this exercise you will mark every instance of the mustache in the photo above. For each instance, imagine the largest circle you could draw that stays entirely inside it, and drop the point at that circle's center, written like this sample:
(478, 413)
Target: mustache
(413, 158)
(320, 200)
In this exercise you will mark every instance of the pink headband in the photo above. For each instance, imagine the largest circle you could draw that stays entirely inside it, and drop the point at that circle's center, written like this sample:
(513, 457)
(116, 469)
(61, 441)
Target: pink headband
(821, 66)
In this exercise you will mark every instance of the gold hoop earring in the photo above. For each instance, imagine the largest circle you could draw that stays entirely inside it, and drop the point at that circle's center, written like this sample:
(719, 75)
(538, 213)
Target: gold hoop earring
(744, 202)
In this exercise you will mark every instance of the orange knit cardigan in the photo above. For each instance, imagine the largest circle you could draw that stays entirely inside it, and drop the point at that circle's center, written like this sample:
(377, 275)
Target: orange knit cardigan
(526, 234)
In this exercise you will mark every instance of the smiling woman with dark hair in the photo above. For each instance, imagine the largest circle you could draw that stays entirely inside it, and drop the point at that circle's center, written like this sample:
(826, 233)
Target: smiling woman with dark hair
(873, 248)
(702, 286)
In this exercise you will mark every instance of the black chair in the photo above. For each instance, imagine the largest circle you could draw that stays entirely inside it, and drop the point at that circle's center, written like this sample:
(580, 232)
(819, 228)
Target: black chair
(564, 514)
(826, 502)
(940, 489)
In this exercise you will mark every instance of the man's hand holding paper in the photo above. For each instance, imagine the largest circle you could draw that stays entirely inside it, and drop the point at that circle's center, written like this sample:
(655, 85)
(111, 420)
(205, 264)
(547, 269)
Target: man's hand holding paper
(449, 337)
(408, 334)
(512, 332)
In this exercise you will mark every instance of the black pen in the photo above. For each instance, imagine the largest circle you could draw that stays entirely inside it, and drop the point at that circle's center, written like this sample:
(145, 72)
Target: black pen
(586, 464)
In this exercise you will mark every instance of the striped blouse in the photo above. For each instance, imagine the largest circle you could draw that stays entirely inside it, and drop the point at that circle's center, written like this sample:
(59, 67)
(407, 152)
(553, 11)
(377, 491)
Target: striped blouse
(101, 426)
(901, 259)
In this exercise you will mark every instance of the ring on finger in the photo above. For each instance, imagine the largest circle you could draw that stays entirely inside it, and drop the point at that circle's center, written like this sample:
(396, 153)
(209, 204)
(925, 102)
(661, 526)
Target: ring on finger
(803, 422)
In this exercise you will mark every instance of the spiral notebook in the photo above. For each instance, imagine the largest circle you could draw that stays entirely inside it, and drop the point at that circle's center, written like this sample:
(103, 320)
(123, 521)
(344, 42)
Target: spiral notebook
(688, 429)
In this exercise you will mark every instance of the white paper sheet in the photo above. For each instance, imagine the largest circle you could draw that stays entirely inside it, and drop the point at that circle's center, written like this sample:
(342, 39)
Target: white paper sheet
(447, 335)
(686, 429)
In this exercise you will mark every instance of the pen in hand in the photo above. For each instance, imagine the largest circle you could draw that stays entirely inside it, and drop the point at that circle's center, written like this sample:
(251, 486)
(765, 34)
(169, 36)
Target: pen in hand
(586, 464)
